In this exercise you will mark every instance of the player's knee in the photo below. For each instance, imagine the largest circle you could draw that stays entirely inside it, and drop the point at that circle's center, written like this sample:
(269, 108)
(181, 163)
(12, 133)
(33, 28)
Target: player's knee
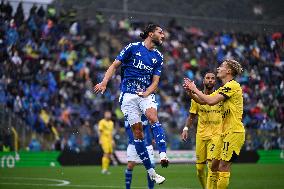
(151, 115)
(153, 119)
(138, 134)
(215, 166)
(130, 165)
(107, 155)
(224, 166)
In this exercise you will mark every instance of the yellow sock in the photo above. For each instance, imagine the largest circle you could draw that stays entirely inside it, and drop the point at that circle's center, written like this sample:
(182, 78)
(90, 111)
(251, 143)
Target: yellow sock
(105, 163)
(223, 181)
(209, 175)
(209, 183)
(201, 174)
(213, 180)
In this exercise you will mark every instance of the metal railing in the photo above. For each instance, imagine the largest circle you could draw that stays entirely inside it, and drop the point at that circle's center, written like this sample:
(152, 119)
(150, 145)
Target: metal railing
(185, 13)
(13, 130)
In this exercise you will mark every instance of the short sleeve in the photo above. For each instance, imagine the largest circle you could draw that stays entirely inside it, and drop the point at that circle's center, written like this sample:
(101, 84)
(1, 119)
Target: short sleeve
(227, 90)
(112, 126)
(159, 64)
(158, 69)
(214, 93)
(125, 53)
(100, 125)
(193, 107)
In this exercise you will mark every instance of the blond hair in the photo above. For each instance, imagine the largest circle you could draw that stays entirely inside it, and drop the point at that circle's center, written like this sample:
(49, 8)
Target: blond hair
(235, 66)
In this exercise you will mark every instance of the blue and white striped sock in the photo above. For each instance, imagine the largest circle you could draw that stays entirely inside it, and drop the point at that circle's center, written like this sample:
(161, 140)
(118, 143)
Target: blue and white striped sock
(128, 178)
(159, 135)
(151, 183)
(143, 153)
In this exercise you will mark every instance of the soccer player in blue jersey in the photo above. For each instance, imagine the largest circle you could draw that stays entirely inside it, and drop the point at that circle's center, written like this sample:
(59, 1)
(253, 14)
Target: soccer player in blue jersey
(132, 156)
(141, 66)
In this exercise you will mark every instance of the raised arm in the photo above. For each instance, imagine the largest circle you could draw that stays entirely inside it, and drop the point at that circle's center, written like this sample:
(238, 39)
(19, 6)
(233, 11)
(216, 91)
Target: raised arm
(190, 93)
(195, 97)
(208, 99)
(101, 87)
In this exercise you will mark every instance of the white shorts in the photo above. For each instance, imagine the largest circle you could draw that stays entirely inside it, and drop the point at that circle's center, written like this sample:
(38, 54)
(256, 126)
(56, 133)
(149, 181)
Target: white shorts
(133, 156)
(133, 106)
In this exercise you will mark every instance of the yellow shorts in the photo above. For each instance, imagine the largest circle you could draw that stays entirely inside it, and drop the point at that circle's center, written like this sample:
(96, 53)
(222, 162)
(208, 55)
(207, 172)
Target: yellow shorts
(227, 144)
(217, 147)
(204, 149)
(107, 148)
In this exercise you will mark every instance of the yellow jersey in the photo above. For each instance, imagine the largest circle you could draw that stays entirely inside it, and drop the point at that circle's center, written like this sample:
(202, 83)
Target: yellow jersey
(209, 119)
(232, 107)
(106, 130)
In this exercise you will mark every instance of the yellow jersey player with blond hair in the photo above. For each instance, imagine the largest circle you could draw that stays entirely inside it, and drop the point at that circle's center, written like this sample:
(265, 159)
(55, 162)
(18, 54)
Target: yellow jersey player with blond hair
(208, 129)
(233, 132)
(106, 127)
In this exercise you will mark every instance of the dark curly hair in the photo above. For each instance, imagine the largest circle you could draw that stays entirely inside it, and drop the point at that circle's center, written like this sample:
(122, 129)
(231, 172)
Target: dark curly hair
(148, 29)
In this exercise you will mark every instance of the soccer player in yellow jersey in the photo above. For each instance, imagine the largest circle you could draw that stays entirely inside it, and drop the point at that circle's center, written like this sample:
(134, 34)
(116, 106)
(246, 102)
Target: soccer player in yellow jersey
(208, 129)
(233, 132)
(106, 141)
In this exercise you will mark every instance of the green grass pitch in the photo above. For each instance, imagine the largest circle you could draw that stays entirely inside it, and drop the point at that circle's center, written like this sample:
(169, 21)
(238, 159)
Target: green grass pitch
(249, 176)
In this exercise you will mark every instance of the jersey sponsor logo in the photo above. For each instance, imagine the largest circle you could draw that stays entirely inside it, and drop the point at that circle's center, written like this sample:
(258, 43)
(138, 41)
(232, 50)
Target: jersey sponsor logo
(212, 122)
(210, 111)
(139, 64)
(138, 54)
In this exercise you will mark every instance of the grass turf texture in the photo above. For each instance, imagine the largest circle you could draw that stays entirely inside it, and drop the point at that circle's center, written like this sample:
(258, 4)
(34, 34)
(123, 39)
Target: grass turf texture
(251, 176)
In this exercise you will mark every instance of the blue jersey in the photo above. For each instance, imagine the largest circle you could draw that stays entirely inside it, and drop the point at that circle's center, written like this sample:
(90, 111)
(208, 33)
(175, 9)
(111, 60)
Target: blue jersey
(138, 67)
(146, 129)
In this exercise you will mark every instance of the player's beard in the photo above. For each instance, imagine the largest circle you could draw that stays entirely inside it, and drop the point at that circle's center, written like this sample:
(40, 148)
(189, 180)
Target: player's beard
(157, 42)
(209, 86)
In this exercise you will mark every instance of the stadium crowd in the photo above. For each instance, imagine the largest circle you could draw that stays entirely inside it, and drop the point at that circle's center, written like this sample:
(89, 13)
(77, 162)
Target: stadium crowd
(47, 58)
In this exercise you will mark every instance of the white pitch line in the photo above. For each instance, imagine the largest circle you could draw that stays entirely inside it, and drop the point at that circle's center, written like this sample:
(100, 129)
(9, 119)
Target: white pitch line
(95, 186)
(61, 182)
(79, 186)
(67, 183)
(138, 187)
(84, 186)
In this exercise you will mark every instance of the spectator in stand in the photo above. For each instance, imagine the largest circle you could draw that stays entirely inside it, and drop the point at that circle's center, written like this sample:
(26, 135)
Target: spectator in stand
(43, 63)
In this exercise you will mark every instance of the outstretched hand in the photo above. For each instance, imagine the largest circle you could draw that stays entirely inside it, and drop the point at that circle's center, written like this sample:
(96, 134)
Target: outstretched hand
(100, 87)
(189, 85)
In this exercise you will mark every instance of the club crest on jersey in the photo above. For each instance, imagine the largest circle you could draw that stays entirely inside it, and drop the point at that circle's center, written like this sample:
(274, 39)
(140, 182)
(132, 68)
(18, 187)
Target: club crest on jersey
(154, 60)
